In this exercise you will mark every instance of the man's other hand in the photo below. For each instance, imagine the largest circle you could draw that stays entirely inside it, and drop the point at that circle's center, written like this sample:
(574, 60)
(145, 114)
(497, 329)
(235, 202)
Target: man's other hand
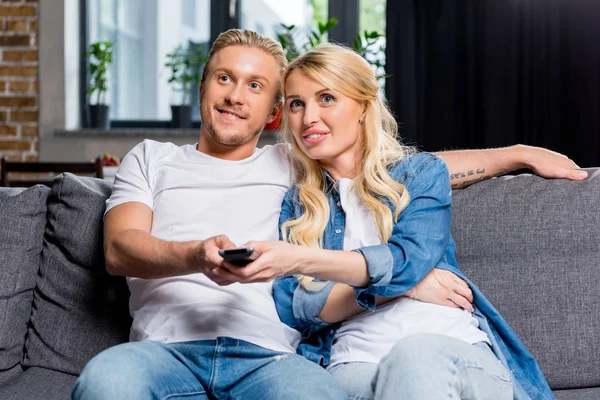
(444, 288)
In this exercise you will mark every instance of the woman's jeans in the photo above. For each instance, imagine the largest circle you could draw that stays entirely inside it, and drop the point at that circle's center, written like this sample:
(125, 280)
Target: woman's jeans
(428, 367)
(216, 369)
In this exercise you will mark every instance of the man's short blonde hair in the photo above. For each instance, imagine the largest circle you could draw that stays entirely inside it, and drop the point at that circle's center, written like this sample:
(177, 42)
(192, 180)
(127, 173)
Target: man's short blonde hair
(244, 37)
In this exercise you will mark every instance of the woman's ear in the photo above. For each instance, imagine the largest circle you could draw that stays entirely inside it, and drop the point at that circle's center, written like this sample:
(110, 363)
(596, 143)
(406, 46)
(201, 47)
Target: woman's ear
(363, 113)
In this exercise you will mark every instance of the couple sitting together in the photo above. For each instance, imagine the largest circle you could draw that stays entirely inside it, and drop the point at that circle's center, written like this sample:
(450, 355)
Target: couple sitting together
(356, 291)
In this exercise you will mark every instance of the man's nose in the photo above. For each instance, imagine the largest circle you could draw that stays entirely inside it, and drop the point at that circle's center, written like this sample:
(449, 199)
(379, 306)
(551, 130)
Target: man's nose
(235, 95)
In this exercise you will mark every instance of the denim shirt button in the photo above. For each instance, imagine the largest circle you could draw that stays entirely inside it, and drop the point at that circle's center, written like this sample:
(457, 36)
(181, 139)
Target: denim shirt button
(338, 204)
(338, 231)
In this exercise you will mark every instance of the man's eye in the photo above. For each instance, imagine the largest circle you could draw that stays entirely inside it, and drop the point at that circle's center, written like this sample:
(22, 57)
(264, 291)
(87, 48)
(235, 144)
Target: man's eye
(255, 85)
(223, 78)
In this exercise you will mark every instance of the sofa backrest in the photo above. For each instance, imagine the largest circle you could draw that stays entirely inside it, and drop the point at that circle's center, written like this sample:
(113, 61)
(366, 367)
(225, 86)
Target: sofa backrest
(22, 225)
(533, 246)
(78, 308)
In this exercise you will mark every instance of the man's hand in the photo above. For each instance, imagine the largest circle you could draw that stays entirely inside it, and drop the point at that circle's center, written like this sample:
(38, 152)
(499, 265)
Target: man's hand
(444, 288)
(206, 258)
(549, 164)
(276, 259)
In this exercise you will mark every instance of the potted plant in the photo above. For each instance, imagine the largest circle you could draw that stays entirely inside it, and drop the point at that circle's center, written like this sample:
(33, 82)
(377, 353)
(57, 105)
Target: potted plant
(288, 38)
(369, 47)
(100, 58)
(185, 65)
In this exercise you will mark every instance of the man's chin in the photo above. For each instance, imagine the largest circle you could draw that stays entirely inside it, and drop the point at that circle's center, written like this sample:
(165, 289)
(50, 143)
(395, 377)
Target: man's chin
(230, 138)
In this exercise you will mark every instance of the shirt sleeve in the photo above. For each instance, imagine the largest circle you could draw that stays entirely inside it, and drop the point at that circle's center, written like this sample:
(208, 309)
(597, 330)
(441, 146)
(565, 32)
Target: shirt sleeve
(297, 307)
(132, 181)
(419, 238)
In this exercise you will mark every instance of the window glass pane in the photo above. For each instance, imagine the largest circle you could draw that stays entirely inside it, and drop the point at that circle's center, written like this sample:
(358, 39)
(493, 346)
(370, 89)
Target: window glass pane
(266, 16)
(144, 32)
(107, 12)
(129, 16)
(372, 18)
(320, 10)
(189, 13)
(372, 15)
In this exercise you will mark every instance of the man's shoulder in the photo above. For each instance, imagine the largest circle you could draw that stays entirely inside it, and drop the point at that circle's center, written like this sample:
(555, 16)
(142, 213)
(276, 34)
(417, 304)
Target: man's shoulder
(280, 149)
(278, 157)
(150, 151)
(155, 147)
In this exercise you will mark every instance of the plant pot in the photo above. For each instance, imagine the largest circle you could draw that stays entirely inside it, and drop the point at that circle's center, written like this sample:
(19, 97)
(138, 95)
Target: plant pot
(99, 116)
(275, 125)
(181, 116)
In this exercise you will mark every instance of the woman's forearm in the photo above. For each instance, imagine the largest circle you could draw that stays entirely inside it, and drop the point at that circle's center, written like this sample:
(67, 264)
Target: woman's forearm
(341, 304)
(347, 267)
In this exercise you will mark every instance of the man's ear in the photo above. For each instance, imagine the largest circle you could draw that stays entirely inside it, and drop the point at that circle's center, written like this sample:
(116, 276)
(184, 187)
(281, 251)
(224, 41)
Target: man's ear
(274, 111)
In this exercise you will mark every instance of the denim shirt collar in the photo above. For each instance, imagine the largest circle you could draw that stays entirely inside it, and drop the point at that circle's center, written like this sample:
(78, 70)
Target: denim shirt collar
(329, 181)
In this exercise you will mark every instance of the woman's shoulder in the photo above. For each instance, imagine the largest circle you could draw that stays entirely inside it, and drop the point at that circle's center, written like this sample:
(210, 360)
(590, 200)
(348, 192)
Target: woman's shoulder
(417, 164)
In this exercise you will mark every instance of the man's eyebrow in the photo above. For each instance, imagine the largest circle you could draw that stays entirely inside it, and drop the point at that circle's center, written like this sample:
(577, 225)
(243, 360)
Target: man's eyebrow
(295, 96)
(251, 78)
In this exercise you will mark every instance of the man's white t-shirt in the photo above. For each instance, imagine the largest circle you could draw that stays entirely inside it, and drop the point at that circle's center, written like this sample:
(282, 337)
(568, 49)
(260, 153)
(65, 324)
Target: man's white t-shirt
(194, 196)
(369, 337)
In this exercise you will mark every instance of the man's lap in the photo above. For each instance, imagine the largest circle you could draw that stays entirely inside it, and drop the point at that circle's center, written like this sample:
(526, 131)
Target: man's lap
(225, 367)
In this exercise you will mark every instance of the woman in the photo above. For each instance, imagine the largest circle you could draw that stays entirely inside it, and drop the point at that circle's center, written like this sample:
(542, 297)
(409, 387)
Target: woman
(359, 189)
(351, 166)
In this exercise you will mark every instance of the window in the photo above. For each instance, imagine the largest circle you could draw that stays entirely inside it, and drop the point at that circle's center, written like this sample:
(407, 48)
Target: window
(372, 18)
(266, 16)
(144, 32)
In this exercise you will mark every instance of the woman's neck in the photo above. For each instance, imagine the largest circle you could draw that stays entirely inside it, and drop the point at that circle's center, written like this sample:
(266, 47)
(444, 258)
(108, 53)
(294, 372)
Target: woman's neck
(343, 166)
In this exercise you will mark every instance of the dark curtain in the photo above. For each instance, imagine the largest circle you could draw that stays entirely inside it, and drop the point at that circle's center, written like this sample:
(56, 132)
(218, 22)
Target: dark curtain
(489, 73)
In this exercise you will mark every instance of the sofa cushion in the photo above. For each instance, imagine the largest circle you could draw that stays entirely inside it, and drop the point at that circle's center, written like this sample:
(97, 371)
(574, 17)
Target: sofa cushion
(79, 310)
(532, 245)
(40, 383)
(8, 375)
(578, 394)
(23, 219)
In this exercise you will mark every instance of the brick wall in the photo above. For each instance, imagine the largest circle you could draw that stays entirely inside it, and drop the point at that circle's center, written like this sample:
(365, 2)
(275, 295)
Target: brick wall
(19, 79)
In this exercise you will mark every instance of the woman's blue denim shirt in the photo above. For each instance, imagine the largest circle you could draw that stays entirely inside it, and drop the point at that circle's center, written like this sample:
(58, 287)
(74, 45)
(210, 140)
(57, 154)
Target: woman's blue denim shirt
(420, 241)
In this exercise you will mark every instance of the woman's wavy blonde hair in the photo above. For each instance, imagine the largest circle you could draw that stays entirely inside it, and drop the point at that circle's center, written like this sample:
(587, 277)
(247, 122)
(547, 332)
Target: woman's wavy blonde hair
(344, 71)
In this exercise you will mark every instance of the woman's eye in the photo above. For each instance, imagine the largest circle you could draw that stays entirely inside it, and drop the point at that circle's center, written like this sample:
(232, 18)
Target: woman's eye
(327, 98)
(255, 85)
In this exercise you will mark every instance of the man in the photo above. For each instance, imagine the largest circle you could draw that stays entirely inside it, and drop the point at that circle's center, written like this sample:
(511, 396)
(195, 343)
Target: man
(193, 334)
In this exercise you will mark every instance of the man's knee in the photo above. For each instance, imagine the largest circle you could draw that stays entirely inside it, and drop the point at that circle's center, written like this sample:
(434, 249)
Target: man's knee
(115, 373)
(296, 377)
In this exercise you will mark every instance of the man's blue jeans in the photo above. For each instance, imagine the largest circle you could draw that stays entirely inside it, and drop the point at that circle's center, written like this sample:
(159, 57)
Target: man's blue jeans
(216, 369)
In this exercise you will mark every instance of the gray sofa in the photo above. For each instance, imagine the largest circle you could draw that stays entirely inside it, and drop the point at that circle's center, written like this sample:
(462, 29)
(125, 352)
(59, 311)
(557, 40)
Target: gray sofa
(532, 245)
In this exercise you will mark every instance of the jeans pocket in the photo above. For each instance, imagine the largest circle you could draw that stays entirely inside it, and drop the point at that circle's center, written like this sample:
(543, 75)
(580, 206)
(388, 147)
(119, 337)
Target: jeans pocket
(492, 365)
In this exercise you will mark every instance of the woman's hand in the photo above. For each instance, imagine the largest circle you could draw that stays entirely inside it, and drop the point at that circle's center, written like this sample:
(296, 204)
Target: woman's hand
(444, 288)
(276, 259)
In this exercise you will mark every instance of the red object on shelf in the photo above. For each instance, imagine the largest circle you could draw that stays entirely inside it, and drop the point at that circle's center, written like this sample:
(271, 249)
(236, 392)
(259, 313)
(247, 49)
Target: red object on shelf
(276, 123)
